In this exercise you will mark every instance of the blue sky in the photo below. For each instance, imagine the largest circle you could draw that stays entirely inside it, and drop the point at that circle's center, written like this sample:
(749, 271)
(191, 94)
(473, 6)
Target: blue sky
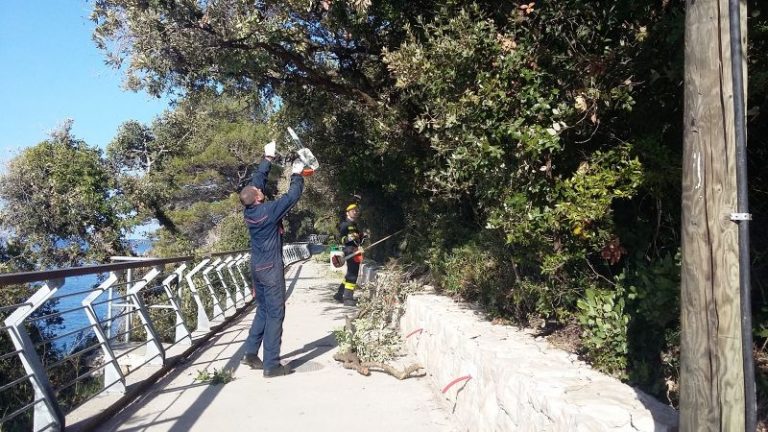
(51, 70)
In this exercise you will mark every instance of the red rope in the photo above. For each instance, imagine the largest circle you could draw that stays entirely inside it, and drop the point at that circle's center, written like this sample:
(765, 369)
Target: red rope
(418, 330)
(457, 380)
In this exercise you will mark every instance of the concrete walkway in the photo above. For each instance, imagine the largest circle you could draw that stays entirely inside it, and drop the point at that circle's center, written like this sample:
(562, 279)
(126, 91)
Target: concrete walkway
(319, 396)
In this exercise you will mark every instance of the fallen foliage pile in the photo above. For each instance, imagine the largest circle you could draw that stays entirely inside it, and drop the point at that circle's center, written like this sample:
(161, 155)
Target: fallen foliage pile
(370, 340)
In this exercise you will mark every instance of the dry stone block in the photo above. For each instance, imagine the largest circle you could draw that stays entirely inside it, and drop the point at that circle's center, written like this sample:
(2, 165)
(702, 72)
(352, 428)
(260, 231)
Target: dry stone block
(519, 383)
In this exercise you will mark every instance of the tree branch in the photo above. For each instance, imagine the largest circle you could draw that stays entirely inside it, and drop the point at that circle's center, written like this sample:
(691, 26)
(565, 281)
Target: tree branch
(313, 76)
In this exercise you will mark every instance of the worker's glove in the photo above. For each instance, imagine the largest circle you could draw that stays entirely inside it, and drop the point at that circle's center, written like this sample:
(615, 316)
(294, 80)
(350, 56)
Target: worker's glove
(297, 167)
(358, 258)
(269, 149)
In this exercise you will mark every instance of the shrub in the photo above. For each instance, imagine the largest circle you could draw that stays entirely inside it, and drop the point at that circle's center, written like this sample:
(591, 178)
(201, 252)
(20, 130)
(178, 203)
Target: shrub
(605, 322)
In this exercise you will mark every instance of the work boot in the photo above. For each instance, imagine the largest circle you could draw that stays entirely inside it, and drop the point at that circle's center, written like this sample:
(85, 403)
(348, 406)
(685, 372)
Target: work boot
(278, 371)
(253, 361)
(349, 298)
(339, 296)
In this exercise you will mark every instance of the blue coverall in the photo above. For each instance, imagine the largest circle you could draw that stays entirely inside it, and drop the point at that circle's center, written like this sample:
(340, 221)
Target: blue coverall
(263, 221)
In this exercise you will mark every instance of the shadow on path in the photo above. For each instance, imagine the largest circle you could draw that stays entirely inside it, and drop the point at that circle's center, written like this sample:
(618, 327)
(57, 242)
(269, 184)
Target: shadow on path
(193, 413)
(294, 281)
(311, 350)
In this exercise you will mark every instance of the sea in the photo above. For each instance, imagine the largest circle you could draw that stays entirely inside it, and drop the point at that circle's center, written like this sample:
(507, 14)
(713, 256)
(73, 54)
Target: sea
(67, 300)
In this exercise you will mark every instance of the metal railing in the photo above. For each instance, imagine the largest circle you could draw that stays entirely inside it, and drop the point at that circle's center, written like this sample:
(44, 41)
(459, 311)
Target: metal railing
(317, 239)
(137, 314)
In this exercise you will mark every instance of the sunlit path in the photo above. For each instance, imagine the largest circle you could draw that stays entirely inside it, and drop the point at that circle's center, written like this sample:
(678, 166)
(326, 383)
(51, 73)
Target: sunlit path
(320, 396)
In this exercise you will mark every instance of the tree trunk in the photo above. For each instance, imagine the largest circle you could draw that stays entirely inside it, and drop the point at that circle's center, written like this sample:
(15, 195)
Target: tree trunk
(711, 373)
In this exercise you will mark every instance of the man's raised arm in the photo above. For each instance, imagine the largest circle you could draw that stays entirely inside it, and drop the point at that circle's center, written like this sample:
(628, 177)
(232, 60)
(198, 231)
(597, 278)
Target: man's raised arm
(259, 178)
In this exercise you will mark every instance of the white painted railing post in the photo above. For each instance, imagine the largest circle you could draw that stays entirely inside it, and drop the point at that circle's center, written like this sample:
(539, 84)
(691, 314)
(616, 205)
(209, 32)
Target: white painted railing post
(181, 333)
(247, 291)
(47, 415)
(229, 305)
(239, 291)
(114, 380)
(295, 252)
(218, 313)
(129, 316)
(155, 353)
(203, 322)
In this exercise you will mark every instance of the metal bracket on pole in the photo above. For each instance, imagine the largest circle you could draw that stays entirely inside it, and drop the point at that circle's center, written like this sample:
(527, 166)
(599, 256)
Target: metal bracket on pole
(114, 380)
(203, 323)
(182, 332)
(239, 291)
(229, 308)
(247, 292)
(155, 352)
(289, 254)
(47, 415)
(218, 312)
(737, 217)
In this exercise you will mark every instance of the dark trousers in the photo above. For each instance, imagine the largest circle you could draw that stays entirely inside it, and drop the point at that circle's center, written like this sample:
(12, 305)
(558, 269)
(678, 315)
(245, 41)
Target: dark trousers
(267, 326)
(353, 268)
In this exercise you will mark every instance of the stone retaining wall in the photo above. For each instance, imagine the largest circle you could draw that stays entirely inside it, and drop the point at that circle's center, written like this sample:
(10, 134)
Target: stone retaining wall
(518, 383)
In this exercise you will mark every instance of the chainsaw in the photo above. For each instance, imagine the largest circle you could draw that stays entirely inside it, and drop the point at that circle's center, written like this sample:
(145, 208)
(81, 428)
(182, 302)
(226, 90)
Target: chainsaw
(304, 154)
(295, 150)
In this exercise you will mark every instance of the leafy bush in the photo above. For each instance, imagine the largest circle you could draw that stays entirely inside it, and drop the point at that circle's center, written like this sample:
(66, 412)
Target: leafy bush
(604, 322)
(653, 289)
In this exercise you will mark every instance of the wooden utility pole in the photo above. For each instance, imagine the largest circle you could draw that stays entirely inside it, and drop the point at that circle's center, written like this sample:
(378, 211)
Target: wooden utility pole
(711, 372)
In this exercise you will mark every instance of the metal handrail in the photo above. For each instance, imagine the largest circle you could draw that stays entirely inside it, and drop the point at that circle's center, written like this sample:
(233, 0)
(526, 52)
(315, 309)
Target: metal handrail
(119, 335)
(220, 254)
(16, 381)
(74, 354)
(114, 317)
(22, 409)
(80, 377)
(224, 283)
(112, 301)
(55, 314)
(63, 335)
(45, 275)
(13, 306)
(10, 354)
(73, 294)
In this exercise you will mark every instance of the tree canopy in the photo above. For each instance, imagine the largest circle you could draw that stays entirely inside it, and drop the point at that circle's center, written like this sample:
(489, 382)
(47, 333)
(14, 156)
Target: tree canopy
(59, 203)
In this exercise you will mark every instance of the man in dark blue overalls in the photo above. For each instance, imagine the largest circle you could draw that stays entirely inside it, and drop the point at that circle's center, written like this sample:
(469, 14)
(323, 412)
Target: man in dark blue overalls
(264, 222)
